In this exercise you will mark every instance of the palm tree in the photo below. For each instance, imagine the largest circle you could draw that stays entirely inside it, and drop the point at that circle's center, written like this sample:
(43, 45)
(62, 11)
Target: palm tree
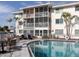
(9, 41)
(6, 29)
(9, 21)
(68, 21)
(17, 17)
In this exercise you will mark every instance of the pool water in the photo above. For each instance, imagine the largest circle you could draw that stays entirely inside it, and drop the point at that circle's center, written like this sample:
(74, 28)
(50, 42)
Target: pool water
(54, 49)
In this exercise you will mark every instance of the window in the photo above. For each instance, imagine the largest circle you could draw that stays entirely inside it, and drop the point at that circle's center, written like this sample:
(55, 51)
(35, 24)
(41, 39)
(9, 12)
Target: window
(45, 8)
(77, 32)
(25, 31)
(41, 19)
(36, 9)
(36, 20)
(45, 32)
(37, 32)
(57, 10)
(77, 20)
(40, 32)
(27, 11)
(31, 11)
(20, 22)
(30, 20)
(76, 8)
(59, 21)
(59, 31)
(20, 31)
(31, 31)
(41, 9)
(45, 19)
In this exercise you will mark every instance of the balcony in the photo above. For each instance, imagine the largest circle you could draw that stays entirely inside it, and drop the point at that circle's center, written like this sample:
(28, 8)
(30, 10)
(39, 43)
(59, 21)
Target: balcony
(29, 25)
(41, 24)
(28, 15)
(41, 14)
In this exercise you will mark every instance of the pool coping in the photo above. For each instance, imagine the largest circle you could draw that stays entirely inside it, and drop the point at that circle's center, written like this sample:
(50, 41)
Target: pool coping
(61, 40)
(30, 52)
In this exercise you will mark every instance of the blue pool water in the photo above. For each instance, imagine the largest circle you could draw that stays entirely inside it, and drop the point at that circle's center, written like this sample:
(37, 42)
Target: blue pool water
(54, 49)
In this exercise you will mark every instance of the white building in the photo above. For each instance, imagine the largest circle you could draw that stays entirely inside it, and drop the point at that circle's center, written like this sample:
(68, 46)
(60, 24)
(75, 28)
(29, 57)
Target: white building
(58, 25)
(45, 19)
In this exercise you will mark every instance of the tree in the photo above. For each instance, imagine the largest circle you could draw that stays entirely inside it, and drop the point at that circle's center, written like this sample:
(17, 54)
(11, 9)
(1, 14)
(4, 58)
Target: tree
(68, 21)
(17, 17)
(9, 21)
(2, 42)
(6, 29)
(3, 31)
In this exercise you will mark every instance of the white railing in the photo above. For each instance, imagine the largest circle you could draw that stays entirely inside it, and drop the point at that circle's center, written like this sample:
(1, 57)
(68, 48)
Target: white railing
(29, 25)
(28, 15)
(38, 14)
(41, 24)
(41, 14)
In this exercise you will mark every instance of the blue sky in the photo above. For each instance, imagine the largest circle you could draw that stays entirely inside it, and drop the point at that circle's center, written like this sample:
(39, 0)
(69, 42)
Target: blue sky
(7, 7)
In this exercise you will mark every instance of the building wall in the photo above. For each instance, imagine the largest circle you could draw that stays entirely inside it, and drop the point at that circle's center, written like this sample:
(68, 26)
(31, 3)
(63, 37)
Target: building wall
(19, 27)
(40, 14)
(56, 15)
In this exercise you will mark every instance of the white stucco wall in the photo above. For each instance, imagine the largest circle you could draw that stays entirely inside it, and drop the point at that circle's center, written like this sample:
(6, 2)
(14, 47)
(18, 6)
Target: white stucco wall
(55, 16)
(54, 26)
(19, 27)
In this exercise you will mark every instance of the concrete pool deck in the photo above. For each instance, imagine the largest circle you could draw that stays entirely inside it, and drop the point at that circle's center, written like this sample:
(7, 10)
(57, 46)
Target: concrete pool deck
(24, 52)
(21, 53)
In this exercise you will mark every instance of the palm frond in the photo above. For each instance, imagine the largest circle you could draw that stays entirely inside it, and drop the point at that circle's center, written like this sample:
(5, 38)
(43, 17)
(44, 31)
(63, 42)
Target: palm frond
(10, 20)
(72, 17)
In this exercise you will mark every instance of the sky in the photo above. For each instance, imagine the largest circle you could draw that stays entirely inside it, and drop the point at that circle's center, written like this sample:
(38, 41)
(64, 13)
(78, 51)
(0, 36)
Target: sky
(7, 7)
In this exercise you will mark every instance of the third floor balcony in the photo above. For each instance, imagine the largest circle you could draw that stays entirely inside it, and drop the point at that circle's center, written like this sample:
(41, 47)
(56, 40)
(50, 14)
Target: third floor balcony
(28, 15)
(41, 14)
(37, 14)
(41, 24)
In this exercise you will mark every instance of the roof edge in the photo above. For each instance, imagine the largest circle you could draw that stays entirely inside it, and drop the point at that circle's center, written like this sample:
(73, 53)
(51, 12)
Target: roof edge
(66, 5)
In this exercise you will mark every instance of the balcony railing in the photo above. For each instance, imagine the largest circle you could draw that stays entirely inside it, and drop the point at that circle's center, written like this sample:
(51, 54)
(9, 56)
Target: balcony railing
(41, 14)
(29, 25)
(41, 24)
(28, 15)
(38, 14)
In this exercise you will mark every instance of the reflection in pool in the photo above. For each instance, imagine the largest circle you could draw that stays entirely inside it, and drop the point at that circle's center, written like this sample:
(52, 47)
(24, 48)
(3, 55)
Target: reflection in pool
(54, 49)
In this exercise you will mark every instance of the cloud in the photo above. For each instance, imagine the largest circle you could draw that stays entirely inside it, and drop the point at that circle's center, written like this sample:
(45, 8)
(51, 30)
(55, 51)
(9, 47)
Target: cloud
(5, 12)
(6, 8)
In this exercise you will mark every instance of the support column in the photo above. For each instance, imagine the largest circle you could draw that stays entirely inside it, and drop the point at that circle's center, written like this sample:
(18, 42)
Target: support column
(42, 33)
(39, 32)
(48, 19)
(34, 23)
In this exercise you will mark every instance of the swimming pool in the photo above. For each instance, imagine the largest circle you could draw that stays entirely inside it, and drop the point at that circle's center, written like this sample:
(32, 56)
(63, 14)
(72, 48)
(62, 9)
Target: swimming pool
(54, 49)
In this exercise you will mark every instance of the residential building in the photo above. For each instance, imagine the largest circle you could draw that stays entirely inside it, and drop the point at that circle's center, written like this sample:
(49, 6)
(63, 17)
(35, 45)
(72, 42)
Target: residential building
(34, 20)
(45, 20)
(58, 24)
